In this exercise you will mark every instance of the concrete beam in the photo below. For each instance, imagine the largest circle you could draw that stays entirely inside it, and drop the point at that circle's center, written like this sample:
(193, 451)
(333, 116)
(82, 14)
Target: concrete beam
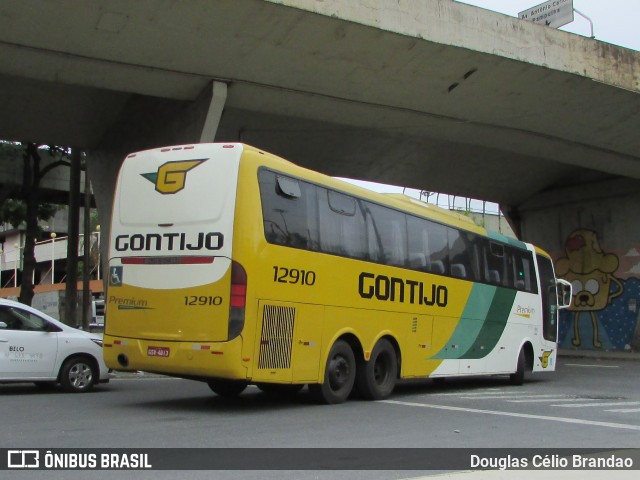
(456, 24)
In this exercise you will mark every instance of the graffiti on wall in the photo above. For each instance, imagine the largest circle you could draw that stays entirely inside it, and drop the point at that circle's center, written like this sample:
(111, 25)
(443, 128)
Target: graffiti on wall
(604, 308)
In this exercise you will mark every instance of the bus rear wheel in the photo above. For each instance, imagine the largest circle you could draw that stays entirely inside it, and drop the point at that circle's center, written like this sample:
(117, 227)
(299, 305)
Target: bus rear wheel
(227, 388)
(339, 375)
(376, 378)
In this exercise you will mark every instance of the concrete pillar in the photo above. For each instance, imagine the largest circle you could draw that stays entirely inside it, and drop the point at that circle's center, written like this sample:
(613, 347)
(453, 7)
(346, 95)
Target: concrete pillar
(216, 106)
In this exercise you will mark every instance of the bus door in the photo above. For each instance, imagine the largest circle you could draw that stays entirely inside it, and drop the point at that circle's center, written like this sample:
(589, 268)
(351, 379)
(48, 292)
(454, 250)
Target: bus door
(549, 298)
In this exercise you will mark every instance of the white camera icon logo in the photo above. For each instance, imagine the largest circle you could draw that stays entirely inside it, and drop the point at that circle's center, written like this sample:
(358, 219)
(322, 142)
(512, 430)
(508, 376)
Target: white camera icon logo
(23, 459)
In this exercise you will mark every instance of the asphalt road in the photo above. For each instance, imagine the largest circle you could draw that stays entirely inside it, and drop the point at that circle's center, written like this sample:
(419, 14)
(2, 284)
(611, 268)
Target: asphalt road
(585, 404)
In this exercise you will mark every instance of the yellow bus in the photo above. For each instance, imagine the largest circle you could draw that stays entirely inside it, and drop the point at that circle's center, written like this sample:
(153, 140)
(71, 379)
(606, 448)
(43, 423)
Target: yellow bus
(232, 266)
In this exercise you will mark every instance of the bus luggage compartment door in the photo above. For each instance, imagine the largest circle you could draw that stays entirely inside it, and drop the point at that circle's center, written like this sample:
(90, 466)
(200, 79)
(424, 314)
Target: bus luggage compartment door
(288, 342)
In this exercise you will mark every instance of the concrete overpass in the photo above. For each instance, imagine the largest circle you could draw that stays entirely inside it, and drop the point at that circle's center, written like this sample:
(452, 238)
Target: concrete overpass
(435, 95)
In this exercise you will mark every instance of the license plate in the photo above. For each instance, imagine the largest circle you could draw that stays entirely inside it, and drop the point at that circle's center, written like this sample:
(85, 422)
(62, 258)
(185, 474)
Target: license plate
(158, 351)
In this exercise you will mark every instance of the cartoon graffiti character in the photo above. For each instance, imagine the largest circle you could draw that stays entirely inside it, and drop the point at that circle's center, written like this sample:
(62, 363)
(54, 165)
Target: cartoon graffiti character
(590, 272)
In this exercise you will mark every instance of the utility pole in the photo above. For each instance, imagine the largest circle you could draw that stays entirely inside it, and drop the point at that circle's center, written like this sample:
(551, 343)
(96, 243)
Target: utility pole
(86, 263)
(71, 293)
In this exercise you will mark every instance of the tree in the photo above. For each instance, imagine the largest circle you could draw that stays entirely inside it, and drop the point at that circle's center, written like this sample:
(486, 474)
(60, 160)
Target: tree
(23, 206)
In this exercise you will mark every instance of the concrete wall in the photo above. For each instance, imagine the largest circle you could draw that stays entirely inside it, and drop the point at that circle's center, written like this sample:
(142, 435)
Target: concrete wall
(595, 243)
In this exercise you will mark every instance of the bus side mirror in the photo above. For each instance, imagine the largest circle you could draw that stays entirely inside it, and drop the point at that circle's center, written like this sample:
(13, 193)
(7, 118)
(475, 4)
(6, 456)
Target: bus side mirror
(564, 293)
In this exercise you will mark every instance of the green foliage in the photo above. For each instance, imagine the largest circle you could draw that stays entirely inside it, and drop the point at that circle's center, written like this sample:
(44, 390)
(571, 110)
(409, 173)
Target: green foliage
(13, 205)
(14, 212)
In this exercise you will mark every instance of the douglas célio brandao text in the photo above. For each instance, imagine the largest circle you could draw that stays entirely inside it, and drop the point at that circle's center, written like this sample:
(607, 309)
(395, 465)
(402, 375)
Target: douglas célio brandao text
(578, 462)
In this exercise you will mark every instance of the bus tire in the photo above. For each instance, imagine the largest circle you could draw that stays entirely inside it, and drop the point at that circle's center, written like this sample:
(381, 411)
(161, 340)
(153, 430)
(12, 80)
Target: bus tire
(227, 388)
(376, 378)
(339, 375)
(517, 378)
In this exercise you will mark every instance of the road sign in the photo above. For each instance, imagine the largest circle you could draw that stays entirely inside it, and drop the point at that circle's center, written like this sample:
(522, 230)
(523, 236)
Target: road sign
(554, 13)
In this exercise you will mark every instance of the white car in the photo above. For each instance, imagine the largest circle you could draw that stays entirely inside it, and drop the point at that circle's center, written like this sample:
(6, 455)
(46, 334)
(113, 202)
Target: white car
(37, 348)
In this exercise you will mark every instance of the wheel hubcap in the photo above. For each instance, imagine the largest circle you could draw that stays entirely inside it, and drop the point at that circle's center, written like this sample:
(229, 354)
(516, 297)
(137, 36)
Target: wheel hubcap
(339, 372)
(381, 369)
(80, 376)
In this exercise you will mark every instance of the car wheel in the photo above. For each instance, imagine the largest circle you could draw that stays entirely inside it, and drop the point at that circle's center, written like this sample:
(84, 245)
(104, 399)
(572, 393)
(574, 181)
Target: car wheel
(78, 374)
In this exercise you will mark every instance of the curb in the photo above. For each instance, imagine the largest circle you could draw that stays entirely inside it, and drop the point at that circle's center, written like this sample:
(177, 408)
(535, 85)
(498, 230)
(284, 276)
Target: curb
(600, 354)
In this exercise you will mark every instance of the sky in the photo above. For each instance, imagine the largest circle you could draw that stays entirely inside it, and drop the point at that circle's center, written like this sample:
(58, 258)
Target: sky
(614, 21)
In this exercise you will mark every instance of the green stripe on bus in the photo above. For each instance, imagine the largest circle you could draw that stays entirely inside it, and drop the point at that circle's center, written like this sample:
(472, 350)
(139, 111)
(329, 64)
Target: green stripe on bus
(508, 240)
(471, 323)
(494, 324)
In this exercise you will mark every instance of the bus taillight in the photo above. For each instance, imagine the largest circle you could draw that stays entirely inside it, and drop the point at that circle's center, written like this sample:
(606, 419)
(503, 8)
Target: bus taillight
(238, 299)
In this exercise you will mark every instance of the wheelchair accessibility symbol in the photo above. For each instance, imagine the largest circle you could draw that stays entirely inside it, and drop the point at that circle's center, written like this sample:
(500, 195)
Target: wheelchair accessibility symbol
(115, 277)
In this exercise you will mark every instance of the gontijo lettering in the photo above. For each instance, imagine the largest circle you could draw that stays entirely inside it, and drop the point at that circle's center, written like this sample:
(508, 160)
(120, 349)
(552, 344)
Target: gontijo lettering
(172, 241)
(394, 289)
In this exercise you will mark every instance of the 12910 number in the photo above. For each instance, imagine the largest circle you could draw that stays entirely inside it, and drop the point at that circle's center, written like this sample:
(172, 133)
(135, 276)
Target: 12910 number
(202, 300)
(293, 275)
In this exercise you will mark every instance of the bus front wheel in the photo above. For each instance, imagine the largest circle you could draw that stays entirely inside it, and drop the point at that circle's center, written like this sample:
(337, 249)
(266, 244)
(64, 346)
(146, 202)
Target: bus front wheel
(339, 375)
(517, 378)
(227, 388)
(376, 378)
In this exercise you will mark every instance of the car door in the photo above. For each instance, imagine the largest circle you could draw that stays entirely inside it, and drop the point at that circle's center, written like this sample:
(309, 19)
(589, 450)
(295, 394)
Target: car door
(28, 345)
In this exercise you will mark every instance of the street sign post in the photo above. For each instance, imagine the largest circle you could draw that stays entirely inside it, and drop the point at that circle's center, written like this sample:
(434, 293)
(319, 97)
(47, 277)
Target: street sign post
(554, 13)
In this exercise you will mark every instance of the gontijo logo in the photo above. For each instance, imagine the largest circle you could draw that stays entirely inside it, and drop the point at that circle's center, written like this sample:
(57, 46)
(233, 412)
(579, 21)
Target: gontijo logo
(172, 176)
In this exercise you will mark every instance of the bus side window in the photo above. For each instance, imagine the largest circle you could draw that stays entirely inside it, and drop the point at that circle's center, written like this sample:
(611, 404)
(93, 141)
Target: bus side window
(438, 258)
(374, 246)
(418, 238)
(342, 225)
(427, 245)
(463, 255)
(288, 211)
(391, 230)
(496, 264)
(523, 274)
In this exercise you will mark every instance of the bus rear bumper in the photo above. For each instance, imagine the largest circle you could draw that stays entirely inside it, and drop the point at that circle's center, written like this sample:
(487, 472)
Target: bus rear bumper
(188, 359)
